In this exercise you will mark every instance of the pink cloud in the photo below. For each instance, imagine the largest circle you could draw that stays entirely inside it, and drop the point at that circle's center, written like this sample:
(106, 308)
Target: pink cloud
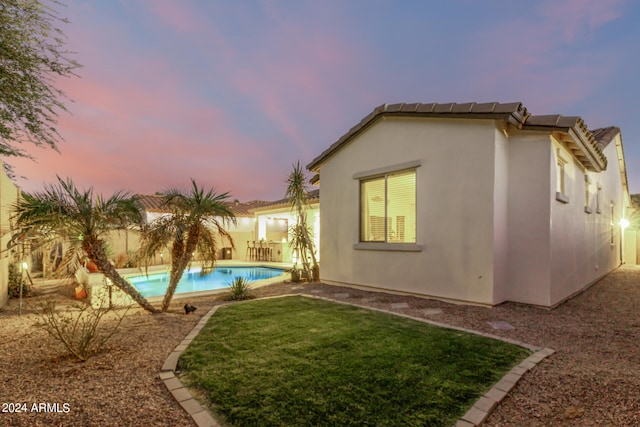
(304, 77)
(139, 123)
(180, 16)
(539, 59)
(579, 18)
(143, 130)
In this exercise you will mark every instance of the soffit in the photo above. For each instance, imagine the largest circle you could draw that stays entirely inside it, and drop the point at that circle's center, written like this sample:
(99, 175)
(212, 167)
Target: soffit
(570, 130)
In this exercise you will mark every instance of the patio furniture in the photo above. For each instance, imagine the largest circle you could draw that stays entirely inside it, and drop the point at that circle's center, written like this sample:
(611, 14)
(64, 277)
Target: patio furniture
(260, 251)
(250, 252)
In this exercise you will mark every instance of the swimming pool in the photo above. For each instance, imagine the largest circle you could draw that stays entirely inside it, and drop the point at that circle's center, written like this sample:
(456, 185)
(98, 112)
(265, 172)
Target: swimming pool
(156, 284)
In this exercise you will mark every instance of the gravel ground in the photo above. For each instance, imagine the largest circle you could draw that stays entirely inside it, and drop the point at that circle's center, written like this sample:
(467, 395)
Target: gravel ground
(593, 379)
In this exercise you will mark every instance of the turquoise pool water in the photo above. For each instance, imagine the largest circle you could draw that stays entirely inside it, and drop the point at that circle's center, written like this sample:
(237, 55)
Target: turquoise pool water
(155, 284)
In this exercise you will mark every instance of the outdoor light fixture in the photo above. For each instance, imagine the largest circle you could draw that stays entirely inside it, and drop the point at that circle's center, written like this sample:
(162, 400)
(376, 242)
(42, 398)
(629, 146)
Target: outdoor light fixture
(624, 223)
(25, 266)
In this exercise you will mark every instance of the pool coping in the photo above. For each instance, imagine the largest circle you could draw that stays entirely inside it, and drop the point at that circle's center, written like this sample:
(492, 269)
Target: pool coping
(96, 280)
(475, 416)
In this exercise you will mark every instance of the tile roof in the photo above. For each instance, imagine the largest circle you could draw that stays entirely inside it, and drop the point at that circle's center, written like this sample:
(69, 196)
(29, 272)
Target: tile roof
(155, 203)
(151, 203)
(514, 113)
(604, 136)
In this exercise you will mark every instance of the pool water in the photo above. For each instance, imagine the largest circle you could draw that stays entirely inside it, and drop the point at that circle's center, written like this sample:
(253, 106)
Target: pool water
(156, 284)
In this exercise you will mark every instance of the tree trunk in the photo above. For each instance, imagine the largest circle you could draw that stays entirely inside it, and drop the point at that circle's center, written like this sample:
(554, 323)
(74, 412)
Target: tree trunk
(96, 253)
(181, 256)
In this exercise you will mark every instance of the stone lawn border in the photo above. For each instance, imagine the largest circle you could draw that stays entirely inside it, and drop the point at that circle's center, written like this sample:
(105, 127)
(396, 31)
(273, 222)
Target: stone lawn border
(473, 417)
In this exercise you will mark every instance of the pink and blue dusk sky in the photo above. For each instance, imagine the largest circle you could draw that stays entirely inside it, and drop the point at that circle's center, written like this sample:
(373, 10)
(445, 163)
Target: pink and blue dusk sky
(232, 93)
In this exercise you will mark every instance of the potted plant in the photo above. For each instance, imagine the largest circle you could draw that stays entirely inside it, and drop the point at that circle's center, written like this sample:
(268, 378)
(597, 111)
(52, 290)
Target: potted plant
(295, 273)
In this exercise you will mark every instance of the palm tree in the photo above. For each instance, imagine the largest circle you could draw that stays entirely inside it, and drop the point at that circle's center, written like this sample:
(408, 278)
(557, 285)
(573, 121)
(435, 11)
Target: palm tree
(196, 220)
(297, 193)
(81, 221)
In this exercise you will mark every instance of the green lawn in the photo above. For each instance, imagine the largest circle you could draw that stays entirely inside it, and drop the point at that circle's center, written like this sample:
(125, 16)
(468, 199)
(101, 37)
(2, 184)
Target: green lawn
(299, 361)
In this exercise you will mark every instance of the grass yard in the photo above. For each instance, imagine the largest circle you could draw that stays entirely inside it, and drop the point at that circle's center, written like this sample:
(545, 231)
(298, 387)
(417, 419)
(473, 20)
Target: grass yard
(299, 361)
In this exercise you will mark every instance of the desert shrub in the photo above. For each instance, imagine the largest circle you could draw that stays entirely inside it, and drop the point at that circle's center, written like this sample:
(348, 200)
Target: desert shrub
(239, 290)
(15, 281)
(79, 328)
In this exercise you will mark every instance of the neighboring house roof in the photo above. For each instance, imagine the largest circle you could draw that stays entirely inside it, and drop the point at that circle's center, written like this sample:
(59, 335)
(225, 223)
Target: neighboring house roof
(604, 136)
(151, 203)
(571, 130)
(312, 197)
(155, 203)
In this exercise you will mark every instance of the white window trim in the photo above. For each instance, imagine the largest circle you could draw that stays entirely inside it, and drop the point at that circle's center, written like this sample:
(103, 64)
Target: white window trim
(587, 194)
(386, 246)
(613, 226)
(561, 195)
(374, 173)
(383, 246)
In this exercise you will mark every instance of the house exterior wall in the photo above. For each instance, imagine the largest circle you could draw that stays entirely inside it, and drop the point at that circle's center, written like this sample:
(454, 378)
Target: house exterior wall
(528, 277)
(9, 195)
(455, 209)
(500, 217)
(490, 227)
(631, 238)
(126, 242)
(585, 246)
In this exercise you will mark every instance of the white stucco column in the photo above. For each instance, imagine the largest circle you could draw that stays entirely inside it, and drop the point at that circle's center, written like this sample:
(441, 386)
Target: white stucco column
(262, 228)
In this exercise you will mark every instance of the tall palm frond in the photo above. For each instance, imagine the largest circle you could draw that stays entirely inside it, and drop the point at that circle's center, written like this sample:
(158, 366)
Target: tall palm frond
(197, 219)
(64, 212)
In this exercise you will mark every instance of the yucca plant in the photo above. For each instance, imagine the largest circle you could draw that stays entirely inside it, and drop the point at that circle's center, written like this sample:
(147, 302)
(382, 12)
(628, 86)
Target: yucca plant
(239, 290)
(300, 237)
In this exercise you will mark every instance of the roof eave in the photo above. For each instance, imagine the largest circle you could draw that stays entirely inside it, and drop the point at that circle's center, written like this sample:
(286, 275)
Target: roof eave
(513, 113)
(579, 143)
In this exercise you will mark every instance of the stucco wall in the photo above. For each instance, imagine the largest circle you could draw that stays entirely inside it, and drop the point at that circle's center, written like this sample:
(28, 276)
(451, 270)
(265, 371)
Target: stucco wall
(581, 248)
(528, 277)
(490, 228)
(500, 217)
(241, 232)
(9, 194)
(455, 186)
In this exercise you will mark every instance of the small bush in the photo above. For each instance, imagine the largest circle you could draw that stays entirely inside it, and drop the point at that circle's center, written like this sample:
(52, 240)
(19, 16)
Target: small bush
(125, 260)
(239, 290)
(15, 281)
(78, 328)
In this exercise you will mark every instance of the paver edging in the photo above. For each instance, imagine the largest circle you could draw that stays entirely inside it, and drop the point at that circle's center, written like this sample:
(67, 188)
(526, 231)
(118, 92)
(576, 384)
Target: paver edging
(477, 413)
(180, 393)
(475, 416)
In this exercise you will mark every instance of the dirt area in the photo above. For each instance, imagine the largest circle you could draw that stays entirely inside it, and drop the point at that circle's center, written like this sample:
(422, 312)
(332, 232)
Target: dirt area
(592, 379)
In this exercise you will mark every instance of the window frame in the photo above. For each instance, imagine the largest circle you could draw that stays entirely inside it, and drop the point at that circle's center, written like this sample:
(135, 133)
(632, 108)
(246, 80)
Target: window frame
(612, 242)
(561, 178)
(378, 173)
(587, 194)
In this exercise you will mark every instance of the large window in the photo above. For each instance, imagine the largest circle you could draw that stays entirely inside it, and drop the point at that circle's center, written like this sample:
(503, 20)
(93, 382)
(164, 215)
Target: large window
(388, 208)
